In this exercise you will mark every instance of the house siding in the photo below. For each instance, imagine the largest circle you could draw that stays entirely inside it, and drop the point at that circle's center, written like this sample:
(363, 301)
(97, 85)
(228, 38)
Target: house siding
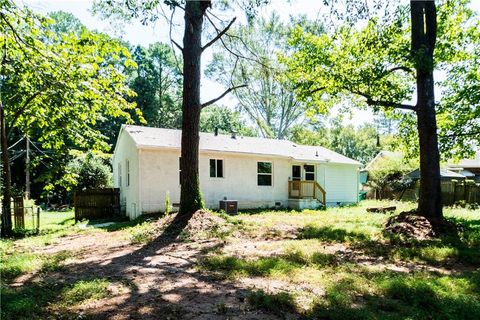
(160, 175)
(129, 195)
(341, 183)
(154, 173)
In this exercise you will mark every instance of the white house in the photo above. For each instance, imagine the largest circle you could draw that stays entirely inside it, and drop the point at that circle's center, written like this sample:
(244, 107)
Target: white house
(256, 172)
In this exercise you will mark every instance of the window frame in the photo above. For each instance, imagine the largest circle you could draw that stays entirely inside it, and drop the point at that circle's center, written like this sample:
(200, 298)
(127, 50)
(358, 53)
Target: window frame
(216, 160)
(309, 172)
(119, 169)
(127, 169)
(265, 174)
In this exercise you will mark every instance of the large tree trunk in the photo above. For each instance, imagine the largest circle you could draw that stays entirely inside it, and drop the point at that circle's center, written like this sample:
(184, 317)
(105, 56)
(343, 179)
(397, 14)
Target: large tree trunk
(6, 179)
(190, 195)
(424, 32)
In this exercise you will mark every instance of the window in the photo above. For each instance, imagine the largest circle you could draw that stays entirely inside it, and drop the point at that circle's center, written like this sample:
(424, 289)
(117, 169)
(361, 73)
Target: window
(127, 165)
(264, 173)
(309, 172)
(216, 168)
(119, 174)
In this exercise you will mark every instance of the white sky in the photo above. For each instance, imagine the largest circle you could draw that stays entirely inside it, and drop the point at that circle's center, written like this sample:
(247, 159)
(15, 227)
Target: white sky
(136, 33)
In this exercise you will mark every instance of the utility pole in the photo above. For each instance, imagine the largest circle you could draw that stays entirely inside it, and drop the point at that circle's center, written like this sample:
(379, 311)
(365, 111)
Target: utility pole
(27, 169)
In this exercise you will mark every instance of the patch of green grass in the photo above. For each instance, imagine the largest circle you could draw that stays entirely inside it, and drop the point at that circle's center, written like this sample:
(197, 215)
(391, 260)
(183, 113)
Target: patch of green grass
(277, 303)
(142, 233)
(132, 224)
(85, 290)
(39, 300)
(234, 267)
(17, 263)
(330, 234)
(52, 263)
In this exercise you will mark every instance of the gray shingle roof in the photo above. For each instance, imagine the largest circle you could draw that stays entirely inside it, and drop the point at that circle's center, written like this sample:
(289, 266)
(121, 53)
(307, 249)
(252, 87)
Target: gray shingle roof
(147, 137)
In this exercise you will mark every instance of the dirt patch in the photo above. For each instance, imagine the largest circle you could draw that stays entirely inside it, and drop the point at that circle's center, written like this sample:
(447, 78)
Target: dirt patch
(203, 221)
(410, 226)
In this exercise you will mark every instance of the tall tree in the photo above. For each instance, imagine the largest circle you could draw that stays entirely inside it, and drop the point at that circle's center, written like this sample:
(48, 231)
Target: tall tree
(194, 14)
(56, 86)
(224, 120)
(269, 101)
(158, 84)
(383, 65)
(424, 38)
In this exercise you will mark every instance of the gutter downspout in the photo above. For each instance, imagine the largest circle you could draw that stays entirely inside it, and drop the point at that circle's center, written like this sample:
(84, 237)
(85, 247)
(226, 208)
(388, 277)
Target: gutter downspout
(139, 181)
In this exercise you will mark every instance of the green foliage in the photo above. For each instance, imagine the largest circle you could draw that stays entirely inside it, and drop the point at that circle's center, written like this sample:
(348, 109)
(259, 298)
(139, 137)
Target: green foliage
(224, 120)
(330, 234)
(58, 82)
(359, 144)
(87, 171)
(158, 83)
(85, 290)
(371, 65)
(386, 175)
(277, 303)
(268, 100)
(168, 204)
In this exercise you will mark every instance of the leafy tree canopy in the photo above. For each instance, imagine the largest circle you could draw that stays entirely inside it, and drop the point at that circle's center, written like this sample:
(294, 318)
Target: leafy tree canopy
(373, 66)
(268, 100)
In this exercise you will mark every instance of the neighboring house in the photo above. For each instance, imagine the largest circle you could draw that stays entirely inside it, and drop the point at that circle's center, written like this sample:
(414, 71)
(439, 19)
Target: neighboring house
(381, 156)
(470, 168)
(445, 175)
(256, 172)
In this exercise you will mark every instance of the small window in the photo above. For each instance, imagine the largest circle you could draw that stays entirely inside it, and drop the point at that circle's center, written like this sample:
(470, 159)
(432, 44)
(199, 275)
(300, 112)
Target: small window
(264, 173)
(119, 174)
(127, 165)
(216, 168)
(309, 172)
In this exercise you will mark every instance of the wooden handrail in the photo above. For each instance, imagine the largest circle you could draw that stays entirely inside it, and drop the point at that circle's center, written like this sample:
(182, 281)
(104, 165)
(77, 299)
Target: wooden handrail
(296, 189)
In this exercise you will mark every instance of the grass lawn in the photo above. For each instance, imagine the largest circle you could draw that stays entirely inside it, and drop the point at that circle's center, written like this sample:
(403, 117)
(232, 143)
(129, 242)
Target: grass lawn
(332, 264)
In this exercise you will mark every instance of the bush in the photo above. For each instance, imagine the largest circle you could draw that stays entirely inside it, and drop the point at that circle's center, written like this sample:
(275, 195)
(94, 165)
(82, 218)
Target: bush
(87, 171)
(386, 177)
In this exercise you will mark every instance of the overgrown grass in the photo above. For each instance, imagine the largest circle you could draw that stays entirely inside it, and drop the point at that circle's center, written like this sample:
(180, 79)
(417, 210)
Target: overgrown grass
(43, 299)
(85, 290)
(323, 257)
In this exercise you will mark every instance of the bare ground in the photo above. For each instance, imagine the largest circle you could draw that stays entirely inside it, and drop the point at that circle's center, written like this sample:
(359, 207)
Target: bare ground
(161, 280)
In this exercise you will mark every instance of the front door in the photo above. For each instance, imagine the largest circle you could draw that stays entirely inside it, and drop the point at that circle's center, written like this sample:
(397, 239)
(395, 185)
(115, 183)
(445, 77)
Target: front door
(296, 177)
(296, 172)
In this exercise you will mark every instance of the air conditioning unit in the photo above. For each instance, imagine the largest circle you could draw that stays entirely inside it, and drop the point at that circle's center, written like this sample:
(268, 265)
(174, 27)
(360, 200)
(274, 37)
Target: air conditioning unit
(229, 206)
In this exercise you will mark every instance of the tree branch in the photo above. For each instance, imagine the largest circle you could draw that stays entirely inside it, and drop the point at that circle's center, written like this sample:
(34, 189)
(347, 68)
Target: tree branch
(219, 34)
(17, 114)
(206, 104)
(389, 104)
(177, 45)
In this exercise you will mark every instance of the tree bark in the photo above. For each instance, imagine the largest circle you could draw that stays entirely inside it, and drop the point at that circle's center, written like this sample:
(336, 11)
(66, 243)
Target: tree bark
(190, 195)
(6, 229)
(424, 32)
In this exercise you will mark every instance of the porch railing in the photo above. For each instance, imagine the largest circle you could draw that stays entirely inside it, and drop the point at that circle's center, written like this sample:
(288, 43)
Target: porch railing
(303, 189)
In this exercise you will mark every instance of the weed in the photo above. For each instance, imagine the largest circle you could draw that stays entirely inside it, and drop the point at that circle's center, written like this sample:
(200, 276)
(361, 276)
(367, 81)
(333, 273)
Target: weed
(277, 303)
(84, 290)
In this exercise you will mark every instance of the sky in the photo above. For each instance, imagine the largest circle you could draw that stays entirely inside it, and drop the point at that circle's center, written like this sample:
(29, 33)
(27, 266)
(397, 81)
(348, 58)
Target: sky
(139, 34)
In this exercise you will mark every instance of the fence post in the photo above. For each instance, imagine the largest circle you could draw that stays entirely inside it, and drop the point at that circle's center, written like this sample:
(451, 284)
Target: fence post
(38, 219)
(454, 182)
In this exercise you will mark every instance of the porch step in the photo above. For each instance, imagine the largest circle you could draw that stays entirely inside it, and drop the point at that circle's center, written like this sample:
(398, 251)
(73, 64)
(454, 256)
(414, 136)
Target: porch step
(305, 203)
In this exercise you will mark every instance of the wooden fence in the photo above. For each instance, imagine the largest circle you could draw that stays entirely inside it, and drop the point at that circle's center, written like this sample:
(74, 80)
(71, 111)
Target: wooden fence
(97, 204)
(18, 213)
(453, 191)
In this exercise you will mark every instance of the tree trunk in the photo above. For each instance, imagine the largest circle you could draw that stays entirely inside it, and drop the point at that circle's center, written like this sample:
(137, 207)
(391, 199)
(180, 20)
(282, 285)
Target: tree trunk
(424, 32)
(190, 195)
(6, 179)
